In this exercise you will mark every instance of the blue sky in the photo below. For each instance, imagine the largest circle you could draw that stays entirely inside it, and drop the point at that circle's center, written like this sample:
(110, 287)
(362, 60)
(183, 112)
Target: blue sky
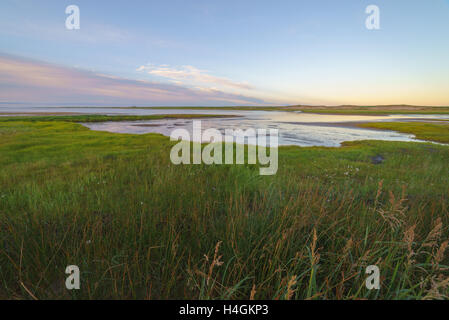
(225, 52)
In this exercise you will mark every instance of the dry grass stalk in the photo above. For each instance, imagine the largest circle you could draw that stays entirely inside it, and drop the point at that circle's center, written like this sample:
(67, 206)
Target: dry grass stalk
(437, 285)
(253, 292)
(290, 291)
(409, 237)
(313, 249)
(348, 246)
(395, 214)
(215, 262)
(434, 235)
(438, 255)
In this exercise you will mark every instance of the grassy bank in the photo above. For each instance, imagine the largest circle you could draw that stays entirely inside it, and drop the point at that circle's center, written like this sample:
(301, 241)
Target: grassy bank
(438, 132)
(103, 118)
(344, 110)
(140, 227)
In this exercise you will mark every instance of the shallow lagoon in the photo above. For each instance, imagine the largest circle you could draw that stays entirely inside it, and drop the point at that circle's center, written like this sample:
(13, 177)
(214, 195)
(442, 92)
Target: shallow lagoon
(295, 128)
(301, 129)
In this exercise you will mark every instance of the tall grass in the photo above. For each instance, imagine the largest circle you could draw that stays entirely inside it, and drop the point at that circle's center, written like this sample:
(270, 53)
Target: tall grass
(141, 228)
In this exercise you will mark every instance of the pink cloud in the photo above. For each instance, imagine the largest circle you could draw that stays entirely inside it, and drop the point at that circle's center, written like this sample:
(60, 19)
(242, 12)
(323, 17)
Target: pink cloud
(30, 81)
(191, 74)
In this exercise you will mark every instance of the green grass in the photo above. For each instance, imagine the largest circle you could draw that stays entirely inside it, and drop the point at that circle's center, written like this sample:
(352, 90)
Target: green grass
(438, 132)
(103, 118)
(139, 227)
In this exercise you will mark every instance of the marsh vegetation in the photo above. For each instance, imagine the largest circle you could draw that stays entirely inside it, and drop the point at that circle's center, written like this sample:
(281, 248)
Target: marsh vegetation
(140, 227)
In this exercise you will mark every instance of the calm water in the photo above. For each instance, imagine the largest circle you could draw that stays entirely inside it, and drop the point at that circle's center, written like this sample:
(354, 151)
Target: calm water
(295, 128)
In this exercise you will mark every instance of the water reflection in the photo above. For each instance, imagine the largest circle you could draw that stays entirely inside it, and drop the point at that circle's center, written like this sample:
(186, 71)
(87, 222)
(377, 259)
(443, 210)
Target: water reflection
(295, 128)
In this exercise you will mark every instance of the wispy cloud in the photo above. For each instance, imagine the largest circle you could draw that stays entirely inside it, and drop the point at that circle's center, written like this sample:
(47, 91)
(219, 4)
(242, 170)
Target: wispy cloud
(24, 80)
(91, 32)
(191, 75)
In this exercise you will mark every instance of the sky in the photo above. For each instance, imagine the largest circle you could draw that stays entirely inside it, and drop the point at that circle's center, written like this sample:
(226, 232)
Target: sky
(220, 53)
